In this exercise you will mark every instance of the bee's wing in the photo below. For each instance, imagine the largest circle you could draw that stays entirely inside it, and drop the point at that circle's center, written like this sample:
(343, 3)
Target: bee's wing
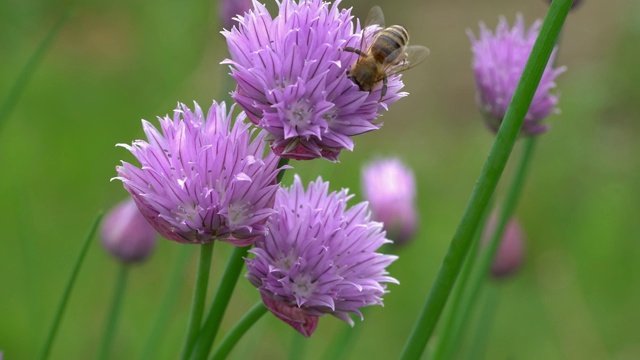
(375, 17)
(413, 55)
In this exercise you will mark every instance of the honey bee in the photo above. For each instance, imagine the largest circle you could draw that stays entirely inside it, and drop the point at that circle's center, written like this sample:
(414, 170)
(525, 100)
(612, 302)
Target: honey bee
(387, 54)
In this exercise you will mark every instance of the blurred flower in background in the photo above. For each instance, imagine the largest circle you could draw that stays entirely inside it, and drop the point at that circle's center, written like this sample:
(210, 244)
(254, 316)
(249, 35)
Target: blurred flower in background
(292, 80)
(389, 187)
(510, 254)
(202, 179)
(228, 9)
(319, 257)
(126, 234)
(498, 62)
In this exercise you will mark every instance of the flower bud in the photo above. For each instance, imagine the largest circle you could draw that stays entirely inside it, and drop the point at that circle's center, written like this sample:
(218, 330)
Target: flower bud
(390, 188)
(126, 234)
(509, 256)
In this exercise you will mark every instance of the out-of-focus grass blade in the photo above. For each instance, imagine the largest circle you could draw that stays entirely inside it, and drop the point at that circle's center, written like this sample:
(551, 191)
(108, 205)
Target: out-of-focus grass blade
(166, 307)
(46, 348)
(29, 68)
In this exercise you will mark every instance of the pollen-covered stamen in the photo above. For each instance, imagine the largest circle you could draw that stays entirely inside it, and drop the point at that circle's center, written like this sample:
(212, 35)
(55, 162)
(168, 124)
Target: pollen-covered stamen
(299, 116)
(302, 287)
(238, 213)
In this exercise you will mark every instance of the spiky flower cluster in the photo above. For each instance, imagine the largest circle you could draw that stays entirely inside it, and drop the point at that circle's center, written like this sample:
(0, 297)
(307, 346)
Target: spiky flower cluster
(319, 257)
(498, 62)
(202, 178)
(291, 72)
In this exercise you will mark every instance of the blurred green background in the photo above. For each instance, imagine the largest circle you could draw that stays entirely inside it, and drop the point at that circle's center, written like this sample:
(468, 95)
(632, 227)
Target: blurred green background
(114, 63)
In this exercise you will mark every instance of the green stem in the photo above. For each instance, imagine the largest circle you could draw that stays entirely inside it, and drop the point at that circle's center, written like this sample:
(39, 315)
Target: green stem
(447, 340)
(297, 346)
(112, 317)
(347, 336)
(508, 207)
(282, 162)
(199, 298)
(46, 348)
(168, 301)
(219, 304)
(484, 324)
(340, 343)
(470, 283)
(28, 70)
(241, 327)
(480, 273)
(491, 172)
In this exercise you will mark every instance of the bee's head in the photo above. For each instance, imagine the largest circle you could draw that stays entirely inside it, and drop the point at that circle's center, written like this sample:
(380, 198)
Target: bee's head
(365, 74)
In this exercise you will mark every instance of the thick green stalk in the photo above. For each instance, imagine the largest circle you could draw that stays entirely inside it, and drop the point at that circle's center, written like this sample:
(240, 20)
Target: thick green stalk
(297, 347)
(112, 317)
(168, 301)
(475, 283)
(471, 283)
(508, 207)
(241, 327)
(447, 340)
(46, 348)
(489, 177)
(341, 341)
(199, 298)
(484, 323)
(219, 305)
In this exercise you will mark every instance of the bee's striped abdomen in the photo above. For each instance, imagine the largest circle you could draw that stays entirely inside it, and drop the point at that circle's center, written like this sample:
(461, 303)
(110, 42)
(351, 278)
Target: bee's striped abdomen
(388, 40)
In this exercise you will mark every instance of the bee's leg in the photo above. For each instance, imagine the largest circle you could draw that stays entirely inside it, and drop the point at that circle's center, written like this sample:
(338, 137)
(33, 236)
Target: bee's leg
(383, 90)
(353, 50)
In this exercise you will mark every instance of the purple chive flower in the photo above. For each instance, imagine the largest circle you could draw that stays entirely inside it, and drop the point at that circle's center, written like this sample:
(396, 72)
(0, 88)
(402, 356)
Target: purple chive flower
(202, 179)
(390, 188)
(319, 257)
(126, 234)
(292, 79)
(228, 9)
(498, 62)
(510, 254)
